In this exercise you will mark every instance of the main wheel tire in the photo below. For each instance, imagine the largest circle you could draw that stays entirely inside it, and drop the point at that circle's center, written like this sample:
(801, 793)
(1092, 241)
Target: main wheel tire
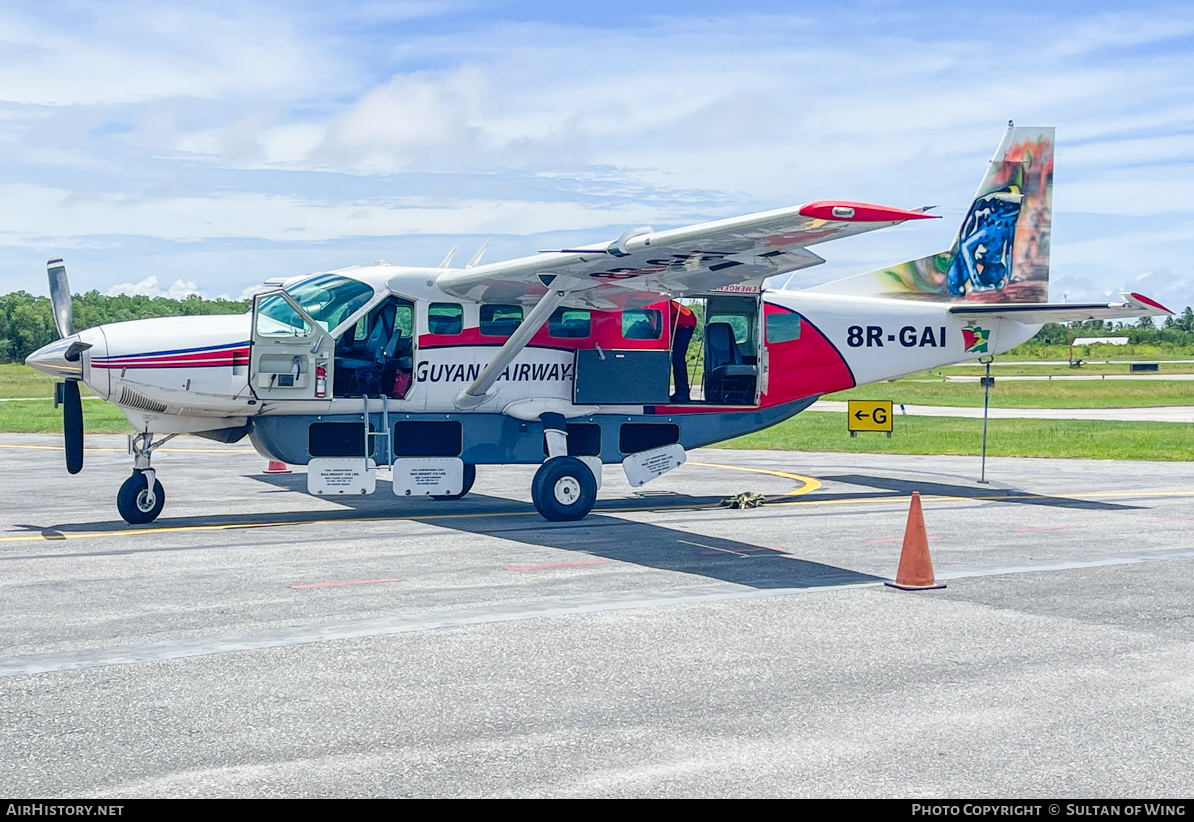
(470, 476)
(564, 489)
(133, 500)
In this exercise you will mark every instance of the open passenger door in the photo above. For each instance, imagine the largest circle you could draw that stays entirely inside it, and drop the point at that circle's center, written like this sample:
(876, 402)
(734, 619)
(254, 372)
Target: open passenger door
(292, 355)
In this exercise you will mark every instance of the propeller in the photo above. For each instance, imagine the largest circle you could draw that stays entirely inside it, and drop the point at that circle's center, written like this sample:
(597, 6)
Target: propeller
(72, 425)
(67, 393)
(60, 297)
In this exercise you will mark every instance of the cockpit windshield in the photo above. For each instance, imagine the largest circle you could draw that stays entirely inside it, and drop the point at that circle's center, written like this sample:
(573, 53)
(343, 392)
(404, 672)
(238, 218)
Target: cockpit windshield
(329, 298)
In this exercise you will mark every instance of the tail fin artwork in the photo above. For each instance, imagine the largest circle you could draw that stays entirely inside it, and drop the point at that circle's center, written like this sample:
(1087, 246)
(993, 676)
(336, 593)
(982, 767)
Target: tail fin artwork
(1001, 252)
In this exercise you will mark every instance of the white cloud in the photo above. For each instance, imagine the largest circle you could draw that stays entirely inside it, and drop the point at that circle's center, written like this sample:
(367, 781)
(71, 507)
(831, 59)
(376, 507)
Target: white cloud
(149, 288)
(121, 52)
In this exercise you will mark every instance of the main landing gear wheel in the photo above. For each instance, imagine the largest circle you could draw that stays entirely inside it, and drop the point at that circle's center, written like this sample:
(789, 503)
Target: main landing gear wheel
(470, 476)
(564, 489)
(136, 504)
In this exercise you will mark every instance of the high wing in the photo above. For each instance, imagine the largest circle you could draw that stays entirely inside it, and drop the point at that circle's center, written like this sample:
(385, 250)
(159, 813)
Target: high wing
(642, 265)
(1133, 305)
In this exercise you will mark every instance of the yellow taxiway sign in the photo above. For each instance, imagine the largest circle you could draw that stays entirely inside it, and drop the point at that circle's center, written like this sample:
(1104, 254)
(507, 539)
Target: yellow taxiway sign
(869, 415)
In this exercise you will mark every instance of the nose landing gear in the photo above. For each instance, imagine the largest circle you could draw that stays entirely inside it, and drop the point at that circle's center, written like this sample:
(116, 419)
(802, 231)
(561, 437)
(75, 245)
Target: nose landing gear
(141, 497)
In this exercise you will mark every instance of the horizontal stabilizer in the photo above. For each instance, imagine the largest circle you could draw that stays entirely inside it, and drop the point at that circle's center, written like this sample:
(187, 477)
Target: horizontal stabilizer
(1133, 305)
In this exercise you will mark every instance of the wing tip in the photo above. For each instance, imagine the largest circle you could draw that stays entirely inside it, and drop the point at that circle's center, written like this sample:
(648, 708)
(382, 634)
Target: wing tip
(851, 212)
(1147, 301)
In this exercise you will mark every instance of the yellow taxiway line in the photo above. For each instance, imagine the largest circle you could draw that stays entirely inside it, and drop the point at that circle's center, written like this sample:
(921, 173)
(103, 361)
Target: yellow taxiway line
(809, 484)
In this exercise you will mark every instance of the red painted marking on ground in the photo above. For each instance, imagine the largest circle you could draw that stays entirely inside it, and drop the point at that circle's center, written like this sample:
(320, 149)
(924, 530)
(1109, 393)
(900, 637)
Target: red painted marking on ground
(1047, 528)
(555, 565)
(345, 582)
(899, 539)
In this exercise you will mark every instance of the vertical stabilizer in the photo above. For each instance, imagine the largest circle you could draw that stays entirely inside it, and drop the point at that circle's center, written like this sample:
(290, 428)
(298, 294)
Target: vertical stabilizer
(1001, 252)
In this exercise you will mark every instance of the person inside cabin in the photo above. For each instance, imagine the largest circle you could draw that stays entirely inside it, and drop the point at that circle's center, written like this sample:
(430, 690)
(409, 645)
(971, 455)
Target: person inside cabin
(683, 325)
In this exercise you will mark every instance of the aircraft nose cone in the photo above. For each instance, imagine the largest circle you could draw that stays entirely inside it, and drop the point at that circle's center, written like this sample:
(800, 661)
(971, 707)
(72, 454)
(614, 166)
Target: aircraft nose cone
(52, 359)
(64, 358)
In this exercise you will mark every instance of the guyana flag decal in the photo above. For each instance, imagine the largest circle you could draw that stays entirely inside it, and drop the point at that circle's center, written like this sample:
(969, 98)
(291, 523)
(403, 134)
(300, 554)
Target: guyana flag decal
(975, 340)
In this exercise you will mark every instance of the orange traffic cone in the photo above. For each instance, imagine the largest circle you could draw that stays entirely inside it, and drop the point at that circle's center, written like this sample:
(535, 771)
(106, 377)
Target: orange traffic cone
(276, 467)
(916, 569)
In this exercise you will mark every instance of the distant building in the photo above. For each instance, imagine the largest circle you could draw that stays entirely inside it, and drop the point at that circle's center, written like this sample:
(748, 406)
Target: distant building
(1101, 341)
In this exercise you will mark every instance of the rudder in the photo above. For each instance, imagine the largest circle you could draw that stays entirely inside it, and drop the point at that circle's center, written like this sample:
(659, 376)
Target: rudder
(1001, 251)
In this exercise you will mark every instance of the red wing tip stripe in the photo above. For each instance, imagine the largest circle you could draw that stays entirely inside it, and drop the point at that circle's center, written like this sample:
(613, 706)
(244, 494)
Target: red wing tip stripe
(338, 584)
(1143, 299)
(849, 212)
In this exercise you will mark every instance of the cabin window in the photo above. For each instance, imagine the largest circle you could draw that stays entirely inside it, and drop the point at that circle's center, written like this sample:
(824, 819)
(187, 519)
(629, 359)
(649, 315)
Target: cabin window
(642, 324)
(500, 320)
(570, 323)
(783, 326)
(740, 324)
(741, 315)
(445, 318)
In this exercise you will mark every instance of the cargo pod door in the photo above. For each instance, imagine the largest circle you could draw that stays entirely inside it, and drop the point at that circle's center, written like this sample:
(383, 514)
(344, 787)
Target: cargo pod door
(291, 356)
(634, 369)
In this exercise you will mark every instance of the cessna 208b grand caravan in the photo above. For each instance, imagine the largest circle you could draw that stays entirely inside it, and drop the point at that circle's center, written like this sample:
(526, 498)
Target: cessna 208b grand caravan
(569, 359)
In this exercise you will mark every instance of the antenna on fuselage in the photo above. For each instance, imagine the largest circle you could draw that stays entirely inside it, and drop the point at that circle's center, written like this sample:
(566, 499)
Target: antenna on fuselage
(477, 257)
(448, 260)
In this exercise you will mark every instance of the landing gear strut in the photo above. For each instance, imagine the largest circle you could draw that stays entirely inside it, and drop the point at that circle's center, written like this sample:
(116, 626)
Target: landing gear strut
(141, 497)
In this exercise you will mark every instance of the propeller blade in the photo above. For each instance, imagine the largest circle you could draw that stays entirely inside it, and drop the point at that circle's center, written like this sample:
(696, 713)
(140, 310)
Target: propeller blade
(60, 298)
(72, 426)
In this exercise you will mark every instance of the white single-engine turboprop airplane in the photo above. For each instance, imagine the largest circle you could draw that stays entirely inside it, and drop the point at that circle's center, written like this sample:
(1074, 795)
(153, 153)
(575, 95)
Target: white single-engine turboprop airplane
(572, 358)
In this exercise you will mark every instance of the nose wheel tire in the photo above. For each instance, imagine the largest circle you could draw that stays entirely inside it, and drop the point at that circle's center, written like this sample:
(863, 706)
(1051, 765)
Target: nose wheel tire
(470, 476)
(564, 489)
(135, 503)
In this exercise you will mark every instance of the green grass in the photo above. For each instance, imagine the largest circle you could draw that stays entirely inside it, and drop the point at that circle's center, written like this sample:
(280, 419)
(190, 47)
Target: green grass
(40, 417)
(1145, 353)
(1111, 369)
(1030, 394)
(17, 380)
(1072, 439)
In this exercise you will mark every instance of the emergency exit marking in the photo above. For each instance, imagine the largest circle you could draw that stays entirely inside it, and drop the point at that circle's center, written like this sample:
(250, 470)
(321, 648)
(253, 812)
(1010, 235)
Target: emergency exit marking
(869, 415)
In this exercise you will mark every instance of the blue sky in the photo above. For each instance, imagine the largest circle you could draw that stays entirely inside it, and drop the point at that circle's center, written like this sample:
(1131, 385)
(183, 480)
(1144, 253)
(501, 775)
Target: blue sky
(164, 148)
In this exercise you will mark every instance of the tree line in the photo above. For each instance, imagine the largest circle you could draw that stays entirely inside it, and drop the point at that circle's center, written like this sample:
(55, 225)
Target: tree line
(27, 322)
(1175, 330)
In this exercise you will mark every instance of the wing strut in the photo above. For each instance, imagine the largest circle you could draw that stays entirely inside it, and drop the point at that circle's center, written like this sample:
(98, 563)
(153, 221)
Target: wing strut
(474, 395)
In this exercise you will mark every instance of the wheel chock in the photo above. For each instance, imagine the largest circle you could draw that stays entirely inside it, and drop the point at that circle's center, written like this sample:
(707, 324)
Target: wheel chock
(916, 569)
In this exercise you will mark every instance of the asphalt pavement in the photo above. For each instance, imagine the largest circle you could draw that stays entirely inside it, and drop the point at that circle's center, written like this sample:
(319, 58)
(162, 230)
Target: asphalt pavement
(256, 641)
